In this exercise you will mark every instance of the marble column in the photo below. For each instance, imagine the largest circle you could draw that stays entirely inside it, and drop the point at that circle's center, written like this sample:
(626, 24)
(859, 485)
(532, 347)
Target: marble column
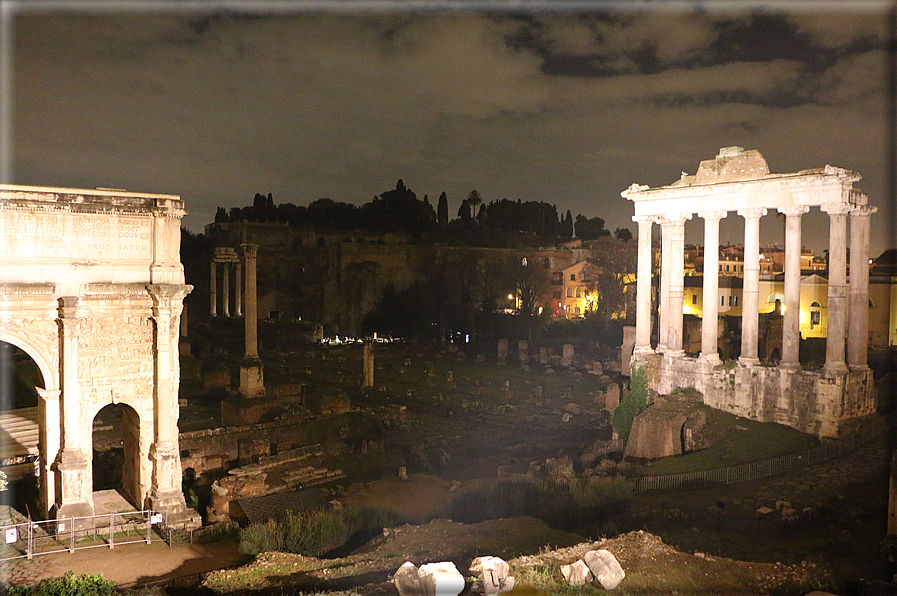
(250, 251)
(837, 288)
(225, 289)
(213, 289)
(664, 298)
(643, 287)
(750, 295)
(676, 224)
(710, 306)
(251, 374)
(238, 290)
(858, 333)
(791, 322)
(75, 487)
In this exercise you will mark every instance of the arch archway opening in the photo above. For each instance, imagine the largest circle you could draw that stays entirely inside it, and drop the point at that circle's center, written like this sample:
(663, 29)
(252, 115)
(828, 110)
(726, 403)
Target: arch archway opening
(115, 457)
(20, 378)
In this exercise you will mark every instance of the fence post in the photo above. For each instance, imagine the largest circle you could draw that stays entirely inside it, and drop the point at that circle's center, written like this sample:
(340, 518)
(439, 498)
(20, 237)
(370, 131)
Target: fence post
(111, 531)
(29, 550)
(72, 530)
(149, 527)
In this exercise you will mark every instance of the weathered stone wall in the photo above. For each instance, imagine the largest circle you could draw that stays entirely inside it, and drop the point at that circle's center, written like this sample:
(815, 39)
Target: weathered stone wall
(215, 451)
(810, 401)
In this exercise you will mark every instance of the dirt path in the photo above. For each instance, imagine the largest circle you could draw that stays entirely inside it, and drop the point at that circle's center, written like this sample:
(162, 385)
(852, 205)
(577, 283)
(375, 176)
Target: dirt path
(127, 564)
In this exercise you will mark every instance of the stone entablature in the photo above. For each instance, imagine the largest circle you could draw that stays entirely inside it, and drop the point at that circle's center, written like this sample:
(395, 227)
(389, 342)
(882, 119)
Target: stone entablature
(61, 234)
(92, 289)
(738, 180)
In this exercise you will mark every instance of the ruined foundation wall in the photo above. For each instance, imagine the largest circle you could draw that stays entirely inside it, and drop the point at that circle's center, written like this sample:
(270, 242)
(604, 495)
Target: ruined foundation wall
(215, 451)
(813, 402)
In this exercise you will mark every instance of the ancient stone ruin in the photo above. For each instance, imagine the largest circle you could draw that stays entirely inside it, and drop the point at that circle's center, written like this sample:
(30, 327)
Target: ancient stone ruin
(822, 402)
(92, 289)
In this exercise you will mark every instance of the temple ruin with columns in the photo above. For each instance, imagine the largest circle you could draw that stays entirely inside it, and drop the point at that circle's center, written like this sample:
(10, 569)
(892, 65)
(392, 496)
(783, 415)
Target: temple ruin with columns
(823, 402)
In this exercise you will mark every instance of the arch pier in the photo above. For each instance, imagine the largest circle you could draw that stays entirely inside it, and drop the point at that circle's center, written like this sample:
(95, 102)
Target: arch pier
(825, 402)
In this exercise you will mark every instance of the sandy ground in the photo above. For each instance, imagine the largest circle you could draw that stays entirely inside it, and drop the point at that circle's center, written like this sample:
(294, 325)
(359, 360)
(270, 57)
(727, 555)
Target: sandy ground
(126, 564)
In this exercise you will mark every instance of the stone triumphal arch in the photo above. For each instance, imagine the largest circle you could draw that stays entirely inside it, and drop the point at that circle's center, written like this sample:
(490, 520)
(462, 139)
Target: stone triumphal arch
(92, 289)
(824, 402)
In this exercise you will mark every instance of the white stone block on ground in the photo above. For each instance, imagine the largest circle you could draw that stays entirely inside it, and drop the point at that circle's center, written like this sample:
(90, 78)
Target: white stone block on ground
(605, 567)
(577, 574)
(440, 579)
(493, 572)
(406, 580)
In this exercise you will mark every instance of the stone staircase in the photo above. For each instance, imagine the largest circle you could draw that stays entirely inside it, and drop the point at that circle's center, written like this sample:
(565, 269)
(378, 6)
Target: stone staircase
(19, 436)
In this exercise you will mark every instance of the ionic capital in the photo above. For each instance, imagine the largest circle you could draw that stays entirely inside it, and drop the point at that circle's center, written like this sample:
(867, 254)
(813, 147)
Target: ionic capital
(752, 212)
(835, 208)
(713, 214)
(793, 210)
(674, 219)
(641, 219)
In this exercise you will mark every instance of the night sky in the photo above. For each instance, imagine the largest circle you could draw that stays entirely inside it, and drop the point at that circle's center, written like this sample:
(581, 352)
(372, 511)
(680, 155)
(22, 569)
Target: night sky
(567, 103)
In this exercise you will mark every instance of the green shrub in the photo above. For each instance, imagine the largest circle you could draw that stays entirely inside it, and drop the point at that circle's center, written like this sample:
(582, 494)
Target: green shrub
(67, 585)
(633, 402)
(313, 533)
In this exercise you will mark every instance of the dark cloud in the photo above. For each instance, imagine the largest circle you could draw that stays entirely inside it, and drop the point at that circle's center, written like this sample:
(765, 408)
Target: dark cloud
(564, 107)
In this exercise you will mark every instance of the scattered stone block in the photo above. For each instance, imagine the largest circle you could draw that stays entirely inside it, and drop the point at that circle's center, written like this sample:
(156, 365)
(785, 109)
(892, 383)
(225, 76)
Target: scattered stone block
(502, 349)
(493, 573)
(522, 350)
(567, 358)
(597, 368)
(440, 579)
(406, 580)
(576, 574)
(605, 568)
(612, 398)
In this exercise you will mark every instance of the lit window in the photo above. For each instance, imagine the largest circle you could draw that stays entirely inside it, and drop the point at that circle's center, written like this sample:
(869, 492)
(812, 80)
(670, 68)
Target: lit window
(569, 292)
(579, 292)
(815, 317)
(733, 300)
(722, 300)
(576, 310)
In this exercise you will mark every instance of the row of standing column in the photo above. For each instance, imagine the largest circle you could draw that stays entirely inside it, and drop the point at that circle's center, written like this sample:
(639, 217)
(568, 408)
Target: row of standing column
(225, 288)
(671, 296)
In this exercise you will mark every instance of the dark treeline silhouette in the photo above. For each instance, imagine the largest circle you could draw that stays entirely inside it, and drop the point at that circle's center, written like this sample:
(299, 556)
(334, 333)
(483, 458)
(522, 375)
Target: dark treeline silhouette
(400, 211)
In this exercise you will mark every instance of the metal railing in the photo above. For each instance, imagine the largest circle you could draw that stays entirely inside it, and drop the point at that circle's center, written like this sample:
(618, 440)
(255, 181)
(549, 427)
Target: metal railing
(765, 468)
(29, 538)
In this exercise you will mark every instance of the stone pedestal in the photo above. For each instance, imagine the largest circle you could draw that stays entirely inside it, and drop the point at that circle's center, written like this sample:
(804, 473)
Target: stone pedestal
(252, 381)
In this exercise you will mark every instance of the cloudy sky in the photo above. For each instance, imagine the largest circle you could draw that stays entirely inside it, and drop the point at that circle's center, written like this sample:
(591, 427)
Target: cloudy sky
(562, 102)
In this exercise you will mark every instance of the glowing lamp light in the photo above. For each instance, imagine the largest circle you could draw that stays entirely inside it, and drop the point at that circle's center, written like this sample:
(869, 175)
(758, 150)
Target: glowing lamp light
(510, 296)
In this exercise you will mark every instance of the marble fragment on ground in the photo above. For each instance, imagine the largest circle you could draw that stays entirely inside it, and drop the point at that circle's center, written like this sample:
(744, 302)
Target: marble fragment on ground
(605, 568)
(493, 574)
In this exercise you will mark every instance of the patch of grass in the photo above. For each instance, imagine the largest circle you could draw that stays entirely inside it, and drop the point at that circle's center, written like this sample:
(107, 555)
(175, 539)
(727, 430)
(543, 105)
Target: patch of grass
(314, 533)
(735, 441)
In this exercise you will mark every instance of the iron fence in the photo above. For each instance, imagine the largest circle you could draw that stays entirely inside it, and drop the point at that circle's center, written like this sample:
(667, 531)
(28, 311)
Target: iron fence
(29, 538)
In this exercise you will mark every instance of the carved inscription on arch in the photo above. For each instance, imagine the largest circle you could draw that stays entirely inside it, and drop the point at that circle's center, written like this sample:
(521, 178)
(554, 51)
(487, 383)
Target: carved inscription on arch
(66, 235)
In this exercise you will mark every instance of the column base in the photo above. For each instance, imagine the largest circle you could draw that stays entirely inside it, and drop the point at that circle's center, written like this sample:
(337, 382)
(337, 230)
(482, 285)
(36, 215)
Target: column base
(252, 381)
(748, 361)
(173, 506)
(859, 367)
(712, 358)
(789, 366)
(835, 369)
(642, 350)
